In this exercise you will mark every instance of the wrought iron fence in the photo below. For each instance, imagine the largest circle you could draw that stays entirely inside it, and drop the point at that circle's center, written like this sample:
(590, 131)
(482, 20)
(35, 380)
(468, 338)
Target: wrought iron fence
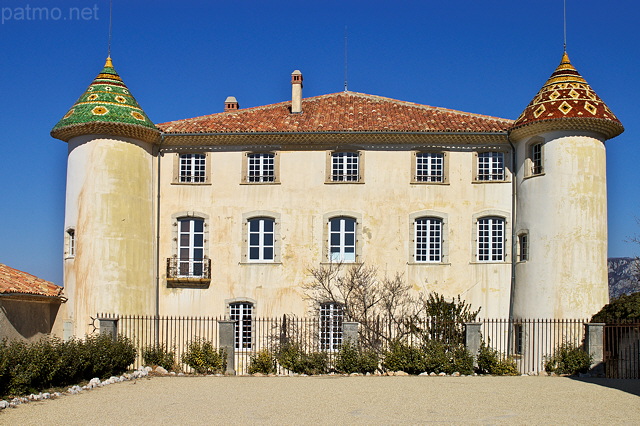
(622, 350)
(529, 342)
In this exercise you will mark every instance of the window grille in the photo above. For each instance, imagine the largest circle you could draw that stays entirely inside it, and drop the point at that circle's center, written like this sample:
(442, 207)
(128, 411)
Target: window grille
(490, 166)
(242, 314)
(490, 239)
(345, 167)
(429, 167)
(428, 239)
(331, 317)
(261, 167)
(192, 168)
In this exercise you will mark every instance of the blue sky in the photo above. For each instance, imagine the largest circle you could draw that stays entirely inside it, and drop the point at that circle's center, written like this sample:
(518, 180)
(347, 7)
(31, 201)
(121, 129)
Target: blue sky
(182, 59)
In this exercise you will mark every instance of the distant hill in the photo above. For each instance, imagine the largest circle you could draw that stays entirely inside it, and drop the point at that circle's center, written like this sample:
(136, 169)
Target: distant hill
(624, 276)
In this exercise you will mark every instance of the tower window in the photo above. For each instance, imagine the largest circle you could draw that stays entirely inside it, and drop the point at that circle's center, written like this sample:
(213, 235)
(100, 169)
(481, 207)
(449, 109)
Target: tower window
(523, 246)
(536, 159)
(71, 242)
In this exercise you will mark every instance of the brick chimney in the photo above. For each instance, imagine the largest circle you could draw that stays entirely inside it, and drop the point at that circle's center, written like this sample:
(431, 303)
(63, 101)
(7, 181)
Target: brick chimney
(231, 104)
(296, 92)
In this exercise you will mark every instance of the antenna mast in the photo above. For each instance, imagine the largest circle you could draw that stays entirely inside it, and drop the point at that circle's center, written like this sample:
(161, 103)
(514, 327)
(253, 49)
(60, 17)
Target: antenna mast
(565, 25)
(110, 24)
(346, 80)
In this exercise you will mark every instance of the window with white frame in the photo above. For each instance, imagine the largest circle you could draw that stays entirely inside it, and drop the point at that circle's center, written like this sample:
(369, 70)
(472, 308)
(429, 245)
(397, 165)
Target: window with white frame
(261, 167)
(428, 239)
(331, 317)
(491, 239)
(536, 158)
(523, 247)
(490, 166)
(242, 314)
(345, 167)
(192, 168)
(342, 239)
(429, 167)
(71, 242)
(261, 239)
(191, 247)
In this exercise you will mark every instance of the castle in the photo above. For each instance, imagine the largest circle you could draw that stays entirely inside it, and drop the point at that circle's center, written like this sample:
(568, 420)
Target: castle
(224, 214)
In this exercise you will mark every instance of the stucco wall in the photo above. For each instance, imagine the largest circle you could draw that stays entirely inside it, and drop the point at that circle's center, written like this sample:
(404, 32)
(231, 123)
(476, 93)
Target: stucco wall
(27, 318)
(384, 202)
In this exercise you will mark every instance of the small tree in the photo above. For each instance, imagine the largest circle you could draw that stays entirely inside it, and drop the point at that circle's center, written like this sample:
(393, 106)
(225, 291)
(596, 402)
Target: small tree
(446, 319)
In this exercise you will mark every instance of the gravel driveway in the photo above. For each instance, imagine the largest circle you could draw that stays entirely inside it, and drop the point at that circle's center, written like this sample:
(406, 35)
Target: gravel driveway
(342, 400)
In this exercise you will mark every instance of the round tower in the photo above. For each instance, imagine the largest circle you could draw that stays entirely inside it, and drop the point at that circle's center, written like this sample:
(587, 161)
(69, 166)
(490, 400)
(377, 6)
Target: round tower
(109, 225)
(561, 193)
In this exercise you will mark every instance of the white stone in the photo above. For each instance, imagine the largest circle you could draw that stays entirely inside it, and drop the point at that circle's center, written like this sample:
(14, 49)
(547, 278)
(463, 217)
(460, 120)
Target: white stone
(442, 374)
(456, 374)
(161, 370)
(4, 404)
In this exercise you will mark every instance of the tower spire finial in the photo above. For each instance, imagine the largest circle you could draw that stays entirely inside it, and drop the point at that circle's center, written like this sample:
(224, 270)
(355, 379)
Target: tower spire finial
(110, 25)
(565, 26)
(346, 80)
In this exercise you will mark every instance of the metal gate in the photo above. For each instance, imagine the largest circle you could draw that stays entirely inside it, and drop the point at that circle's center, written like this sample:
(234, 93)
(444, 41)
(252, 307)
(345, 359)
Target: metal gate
(622, 350)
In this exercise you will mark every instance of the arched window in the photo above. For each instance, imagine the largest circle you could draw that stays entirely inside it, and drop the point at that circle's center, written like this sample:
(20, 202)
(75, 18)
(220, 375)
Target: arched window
(428, 239)
(261, 239)
(342, 239)
(242, 314)
(331, 317)
(491, 239)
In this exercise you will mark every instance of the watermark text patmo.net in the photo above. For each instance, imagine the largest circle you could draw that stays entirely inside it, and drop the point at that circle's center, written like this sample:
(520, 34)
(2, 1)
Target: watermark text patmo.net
(29, 13)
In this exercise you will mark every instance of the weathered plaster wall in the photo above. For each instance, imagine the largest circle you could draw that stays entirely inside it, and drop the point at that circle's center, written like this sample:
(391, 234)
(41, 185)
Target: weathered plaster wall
(110, 205)
(27, 318)
(384, 202)
(565, 211)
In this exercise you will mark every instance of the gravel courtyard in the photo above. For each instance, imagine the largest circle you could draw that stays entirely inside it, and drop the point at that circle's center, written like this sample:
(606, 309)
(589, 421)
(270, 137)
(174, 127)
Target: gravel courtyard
(342, 400)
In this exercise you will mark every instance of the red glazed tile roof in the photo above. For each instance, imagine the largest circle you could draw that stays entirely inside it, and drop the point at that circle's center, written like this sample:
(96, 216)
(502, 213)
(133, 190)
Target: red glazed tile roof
(13, 281)
(341, 112)
(567, 96)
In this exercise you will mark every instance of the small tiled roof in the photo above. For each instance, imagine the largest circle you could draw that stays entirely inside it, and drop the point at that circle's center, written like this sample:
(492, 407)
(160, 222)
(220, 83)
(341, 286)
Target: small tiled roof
(341, 112)
(567, 101)
(106, 107)
(13, 281)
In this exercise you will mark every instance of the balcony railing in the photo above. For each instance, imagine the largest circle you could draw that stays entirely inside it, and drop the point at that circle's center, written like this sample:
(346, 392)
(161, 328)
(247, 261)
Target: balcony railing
(188, 270)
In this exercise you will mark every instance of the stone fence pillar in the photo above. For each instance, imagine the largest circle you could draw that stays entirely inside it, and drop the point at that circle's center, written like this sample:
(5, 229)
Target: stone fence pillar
(594, 346)
(350, 332)
(109, 326)
(473, 339)
(227, 341)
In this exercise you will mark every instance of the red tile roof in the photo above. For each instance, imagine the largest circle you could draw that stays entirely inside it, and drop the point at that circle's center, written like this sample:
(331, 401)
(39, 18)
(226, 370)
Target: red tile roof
(341, 112)
(13, 281)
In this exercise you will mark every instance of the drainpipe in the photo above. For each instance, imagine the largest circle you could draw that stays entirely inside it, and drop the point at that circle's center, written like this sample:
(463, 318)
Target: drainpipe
(514, 241)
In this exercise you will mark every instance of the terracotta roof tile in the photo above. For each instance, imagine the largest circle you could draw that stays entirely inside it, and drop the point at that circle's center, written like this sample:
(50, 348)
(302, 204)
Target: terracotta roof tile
(340, 112)
(13, 281)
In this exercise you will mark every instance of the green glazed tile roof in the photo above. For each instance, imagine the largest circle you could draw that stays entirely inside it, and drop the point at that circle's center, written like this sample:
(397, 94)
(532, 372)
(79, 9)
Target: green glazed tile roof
(106, 107)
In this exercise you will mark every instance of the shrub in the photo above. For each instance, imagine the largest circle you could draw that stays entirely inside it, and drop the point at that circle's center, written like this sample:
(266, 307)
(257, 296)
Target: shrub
(624, 307)
(568, 359)
(403, 357)
(490, 361)
(263, 362)
(204, 358)
(461, 359)
(353, 359)
(293, 358)
(107, 356)
(159, 355)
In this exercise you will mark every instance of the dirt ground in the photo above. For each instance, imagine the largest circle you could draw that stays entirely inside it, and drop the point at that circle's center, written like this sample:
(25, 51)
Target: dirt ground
(342, 400)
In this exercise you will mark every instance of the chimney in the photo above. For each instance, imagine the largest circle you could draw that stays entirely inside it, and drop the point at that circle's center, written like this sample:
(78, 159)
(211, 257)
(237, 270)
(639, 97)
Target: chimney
(231, 104)
(296, 92)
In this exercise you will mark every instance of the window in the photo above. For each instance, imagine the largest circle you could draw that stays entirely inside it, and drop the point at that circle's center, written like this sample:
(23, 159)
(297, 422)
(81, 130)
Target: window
(536, 159)
(261, 239)
(191, 262)
(242, 314)
(491, 166)
(71, 242)
(429, 167)
(491, 239)
(342, 239)
(192, 168)
(261, 167)
(345, 167)
(518, 338)
(428, 239)
(331, 317)
(523, 246)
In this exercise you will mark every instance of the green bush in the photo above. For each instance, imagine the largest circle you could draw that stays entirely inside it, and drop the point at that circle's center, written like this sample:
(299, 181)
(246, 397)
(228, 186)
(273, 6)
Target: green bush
(461, 359)
(263, 362)
(30, 367)
(352, 359)
(403, 357)
(159, 355)
(204, 358)
(490, 361)
(624, 307)
(293, 358)
(568, 359)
